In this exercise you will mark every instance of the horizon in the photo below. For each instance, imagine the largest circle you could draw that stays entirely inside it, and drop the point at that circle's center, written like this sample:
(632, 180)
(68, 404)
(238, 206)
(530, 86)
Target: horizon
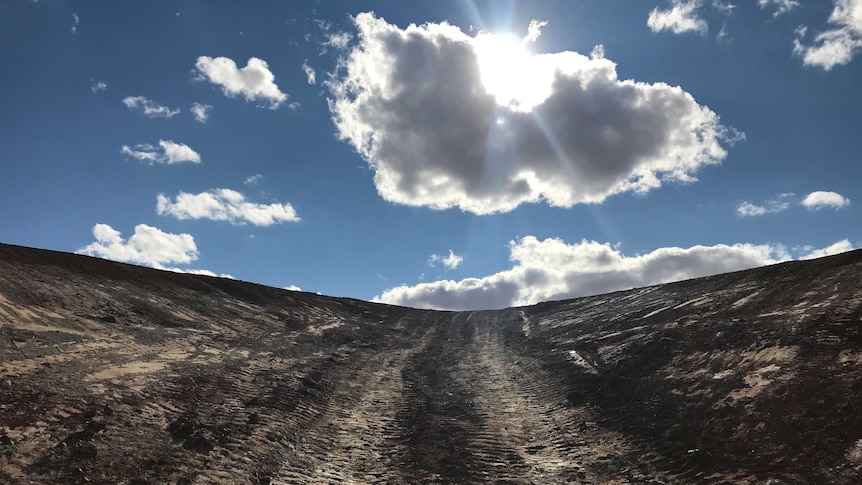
(453, 155)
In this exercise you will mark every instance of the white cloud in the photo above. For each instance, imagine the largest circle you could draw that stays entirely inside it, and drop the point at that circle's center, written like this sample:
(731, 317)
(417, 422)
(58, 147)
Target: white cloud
(309, 73)
(781, 6)
(254, 82)
(204, 272)
(253, 179)
(778, 204)
(149, 107)
(201, 111)
(534, 30)
(840, 247)
(167, 152)
(97, 86)
(839, 45)
(447, 120)
(291, 288)
(450, 261)
(723, 7)
(825, 200)
(148, 246)
(553, 270)
(225, 205)
(338, 40)
(682, 17)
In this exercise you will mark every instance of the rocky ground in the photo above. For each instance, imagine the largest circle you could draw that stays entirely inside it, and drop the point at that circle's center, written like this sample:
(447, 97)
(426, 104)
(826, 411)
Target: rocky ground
(111, 373)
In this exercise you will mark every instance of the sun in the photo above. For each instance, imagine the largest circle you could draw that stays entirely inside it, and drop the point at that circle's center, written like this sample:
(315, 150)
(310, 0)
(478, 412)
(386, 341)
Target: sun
(510, 72)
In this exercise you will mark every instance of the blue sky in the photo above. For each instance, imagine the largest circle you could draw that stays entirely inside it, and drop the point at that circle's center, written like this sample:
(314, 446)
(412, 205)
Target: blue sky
(489, 155)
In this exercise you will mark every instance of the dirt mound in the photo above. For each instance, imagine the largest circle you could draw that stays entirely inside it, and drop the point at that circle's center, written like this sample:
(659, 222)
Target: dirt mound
(112, 373)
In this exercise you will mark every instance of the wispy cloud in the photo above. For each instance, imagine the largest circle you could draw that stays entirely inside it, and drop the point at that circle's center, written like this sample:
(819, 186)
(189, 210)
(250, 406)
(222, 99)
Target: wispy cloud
(167, 152)
(781, 6)
(309, 73)
(98, 86)
(778, 204)
(201, 111)
(149, 107)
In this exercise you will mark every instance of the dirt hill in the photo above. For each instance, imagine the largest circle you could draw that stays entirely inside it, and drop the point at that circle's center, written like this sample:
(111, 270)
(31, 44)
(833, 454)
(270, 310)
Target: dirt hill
(111, 373)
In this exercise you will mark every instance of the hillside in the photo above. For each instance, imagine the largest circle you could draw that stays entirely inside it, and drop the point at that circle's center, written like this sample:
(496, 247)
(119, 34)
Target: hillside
(111, 373)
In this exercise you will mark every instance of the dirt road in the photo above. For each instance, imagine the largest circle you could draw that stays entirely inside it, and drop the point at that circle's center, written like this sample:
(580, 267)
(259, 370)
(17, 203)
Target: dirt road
(111, 373)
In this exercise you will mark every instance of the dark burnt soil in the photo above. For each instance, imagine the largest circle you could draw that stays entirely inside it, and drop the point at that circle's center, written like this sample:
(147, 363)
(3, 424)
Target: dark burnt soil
(111, 373)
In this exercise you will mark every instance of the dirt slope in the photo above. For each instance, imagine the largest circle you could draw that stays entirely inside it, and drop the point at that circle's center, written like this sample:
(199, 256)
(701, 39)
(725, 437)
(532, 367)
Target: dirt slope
(111, 373)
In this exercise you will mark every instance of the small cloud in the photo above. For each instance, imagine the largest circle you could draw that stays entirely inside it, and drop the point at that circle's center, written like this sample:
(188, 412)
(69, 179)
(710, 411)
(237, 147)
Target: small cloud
(825, 200)
(253, 179)
(451, 261)
(167, 152)
(291, 288)
(778, 204)
(225, 205)
(148, 246)
(254, 82)
(781, 6)
(201, 111)
(837, 46)
(309, 73)
(724, 8)
(76, 20)
(98, 86)
(682, 17)
(534, 31)
(149, 108)
(837, 248)
(338, 40)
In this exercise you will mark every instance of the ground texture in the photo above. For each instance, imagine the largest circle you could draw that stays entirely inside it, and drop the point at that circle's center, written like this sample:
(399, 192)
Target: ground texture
(111, 373)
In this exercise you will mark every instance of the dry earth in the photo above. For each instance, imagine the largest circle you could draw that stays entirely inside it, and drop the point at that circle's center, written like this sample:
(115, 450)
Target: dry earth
(111, 373)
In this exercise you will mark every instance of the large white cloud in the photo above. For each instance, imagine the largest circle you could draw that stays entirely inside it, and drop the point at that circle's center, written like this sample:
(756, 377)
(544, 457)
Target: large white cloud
(225, 205)
(167, 152)
(836, 46)
(825, 200)
(254, 82)
(448, 120)
(149, 107)
(148, 246)
(680, 18)
(551, 270)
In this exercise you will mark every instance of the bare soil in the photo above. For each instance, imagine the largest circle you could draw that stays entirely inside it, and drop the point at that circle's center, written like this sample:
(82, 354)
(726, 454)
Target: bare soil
(111, 373)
